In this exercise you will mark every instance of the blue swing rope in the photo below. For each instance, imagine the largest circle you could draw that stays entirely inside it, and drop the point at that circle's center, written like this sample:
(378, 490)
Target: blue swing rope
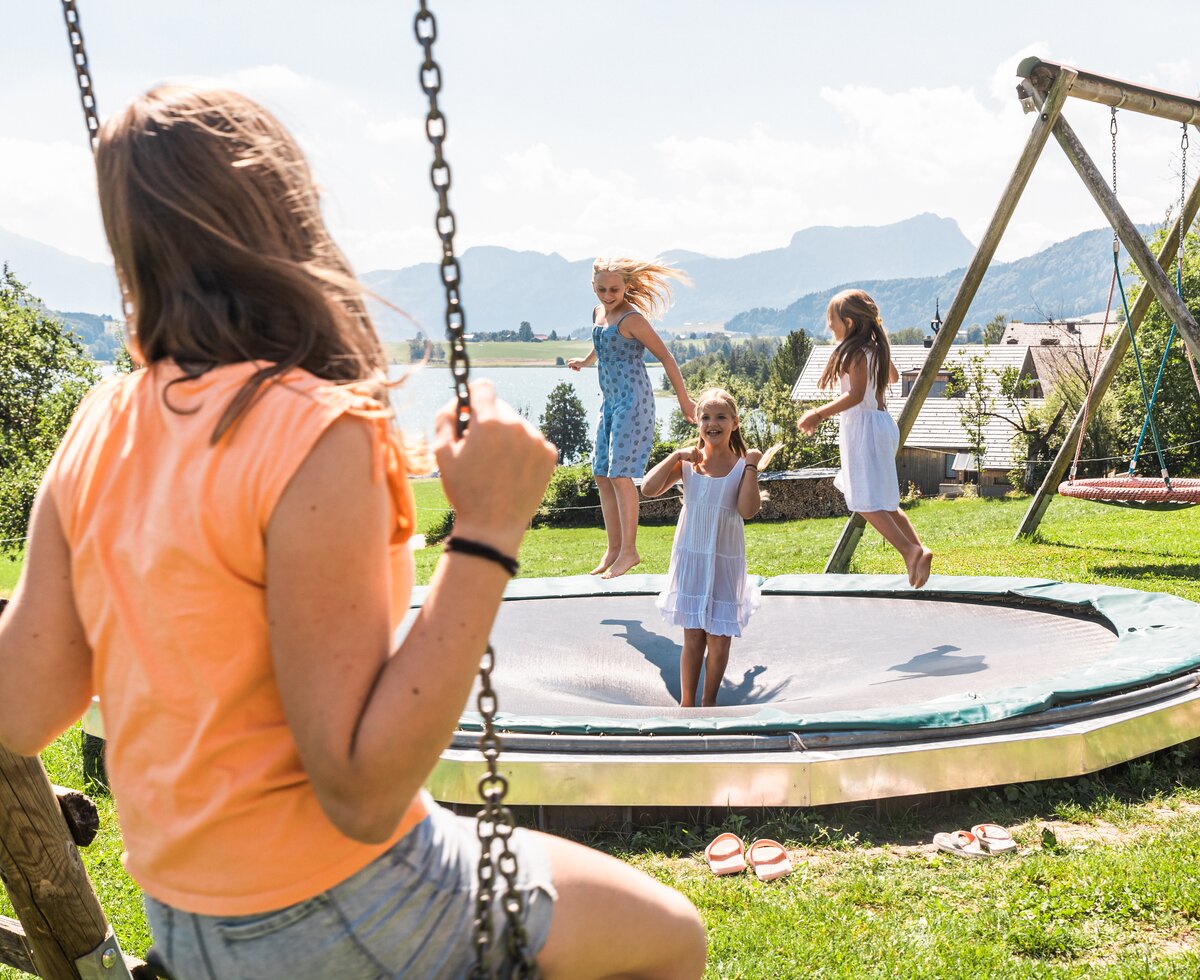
(1149, 421)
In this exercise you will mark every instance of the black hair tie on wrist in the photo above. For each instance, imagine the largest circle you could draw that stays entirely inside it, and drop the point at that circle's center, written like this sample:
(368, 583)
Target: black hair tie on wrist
(480, 550)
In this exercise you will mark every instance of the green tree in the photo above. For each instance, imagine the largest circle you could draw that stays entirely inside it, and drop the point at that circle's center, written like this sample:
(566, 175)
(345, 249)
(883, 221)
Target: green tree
(790, 358)
(565, 423)
(44, 372)
(906, 336)
(993, 330)
(525, 334)
(970, 384)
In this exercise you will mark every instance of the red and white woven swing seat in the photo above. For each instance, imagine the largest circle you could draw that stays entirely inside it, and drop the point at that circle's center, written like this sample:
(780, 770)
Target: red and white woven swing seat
(1135, 491)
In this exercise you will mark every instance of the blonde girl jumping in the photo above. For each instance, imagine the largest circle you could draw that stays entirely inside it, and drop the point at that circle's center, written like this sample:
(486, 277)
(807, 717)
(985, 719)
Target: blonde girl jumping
(630, 293)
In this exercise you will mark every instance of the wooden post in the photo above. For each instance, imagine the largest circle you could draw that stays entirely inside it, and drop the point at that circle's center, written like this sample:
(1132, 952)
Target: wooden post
(839, 559)
(1100, 384)
(40, 865)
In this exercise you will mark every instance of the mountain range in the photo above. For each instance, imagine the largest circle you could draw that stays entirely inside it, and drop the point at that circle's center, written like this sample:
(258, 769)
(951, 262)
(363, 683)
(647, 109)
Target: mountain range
(60, 280)
(903, 265)
(1066, 279)
(502, 287)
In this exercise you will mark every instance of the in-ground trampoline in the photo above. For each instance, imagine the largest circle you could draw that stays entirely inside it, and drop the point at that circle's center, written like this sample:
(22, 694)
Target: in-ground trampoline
(843, 688)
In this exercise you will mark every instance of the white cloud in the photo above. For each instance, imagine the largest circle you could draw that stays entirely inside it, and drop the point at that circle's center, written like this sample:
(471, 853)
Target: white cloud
(48, 193)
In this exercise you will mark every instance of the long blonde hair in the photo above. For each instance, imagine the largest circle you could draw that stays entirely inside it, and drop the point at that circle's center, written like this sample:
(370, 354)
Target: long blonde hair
(647, 284)
(736, 442)
(866, 331)
(223, 257)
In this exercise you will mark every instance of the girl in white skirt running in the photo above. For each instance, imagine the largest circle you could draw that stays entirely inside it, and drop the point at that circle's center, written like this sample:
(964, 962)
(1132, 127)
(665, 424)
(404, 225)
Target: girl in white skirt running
(708, 592)
(868, 437)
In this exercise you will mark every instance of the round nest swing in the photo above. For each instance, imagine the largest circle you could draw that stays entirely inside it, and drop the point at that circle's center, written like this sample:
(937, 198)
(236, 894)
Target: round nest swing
(1151, 493)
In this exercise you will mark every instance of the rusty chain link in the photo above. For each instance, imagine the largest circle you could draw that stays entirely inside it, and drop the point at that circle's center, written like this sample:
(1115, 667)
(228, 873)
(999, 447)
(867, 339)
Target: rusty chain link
(87, 97)
(495, 821)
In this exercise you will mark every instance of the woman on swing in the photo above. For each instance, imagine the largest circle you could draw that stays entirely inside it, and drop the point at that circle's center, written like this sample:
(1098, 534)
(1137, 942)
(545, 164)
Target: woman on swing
(219, 550)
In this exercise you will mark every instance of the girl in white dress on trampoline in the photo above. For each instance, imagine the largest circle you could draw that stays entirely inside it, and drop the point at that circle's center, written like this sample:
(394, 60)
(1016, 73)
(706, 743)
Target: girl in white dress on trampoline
(868, 437)
(708, 592)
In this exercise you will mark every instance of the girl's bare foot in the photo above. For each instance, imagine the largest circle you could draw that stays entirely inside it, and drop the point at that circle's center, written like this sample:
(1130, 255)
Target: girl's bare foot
(624, 562)
(923, 565)
(912, 561)
(605, 562)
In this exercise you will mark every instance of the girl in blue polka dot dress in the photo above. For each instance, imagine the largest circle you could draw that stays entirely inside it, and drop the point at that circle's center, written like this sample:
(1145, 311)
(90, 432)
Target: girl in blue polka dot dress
(630, 292)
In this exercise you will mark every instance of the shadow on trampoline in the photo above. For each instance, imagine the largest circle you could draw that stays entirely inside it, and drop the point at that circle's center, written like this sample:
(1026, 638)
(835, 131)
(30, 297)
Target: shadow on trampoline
(938, 662)
(663, 653)
(659, 650)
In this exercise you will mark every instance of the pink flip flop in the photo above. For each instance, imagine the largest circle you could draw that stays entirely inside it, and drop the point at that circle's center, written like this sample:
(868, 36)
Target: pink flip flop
(726, 854)
(961, 842)
(994, 838)
(769, 859)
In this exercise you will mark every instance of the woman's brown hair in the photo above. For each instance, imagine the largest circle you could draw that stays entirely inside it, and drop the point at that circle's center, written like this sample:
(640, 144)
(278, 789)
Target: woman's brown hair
(223, 257)
(864, 333)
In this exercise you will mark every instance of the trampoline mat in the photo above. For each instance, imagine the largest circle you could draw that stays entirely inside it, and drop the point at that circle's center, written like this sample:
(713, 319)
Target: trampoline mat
(613, 655)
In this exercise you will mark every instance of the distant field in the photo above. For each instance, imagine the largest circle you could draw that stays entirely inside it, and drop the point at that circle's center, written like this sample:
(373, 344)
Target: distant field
(516, 354)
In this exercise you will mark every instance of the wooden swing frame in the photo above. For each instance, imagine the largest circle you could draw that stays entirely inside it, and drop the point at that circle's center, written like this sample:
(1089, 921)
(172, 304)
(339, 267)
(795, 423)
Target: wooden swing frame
(1044, 88)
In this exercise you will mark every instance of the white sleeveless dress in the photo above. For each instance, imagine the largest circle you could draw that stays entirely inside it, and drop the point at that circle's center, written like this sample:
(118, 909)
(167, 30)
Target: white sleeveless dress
(707, 586)
(868, 439)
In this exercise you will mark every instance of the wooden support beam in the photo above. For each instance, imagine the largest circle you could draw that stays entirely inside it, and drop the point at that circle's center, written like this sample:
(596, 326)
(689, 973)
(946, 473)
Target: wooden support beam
(41, 868)
(1131, 238)
(1116, 92)
(839, 559)
(14, 947)
(1103, 380)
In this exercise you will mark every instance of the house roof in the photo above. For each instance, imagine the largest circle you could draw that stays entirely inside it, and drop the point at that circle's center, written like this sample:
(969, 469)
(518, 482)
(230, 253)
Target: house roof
(909, 358)
(1054, 364)
(1076, 332)
(939, 427)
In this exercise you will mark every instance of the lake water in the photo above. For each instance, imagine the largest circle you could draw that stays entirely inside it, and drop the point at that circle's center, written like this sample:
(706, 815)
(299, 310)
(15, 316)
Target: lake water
(418, 400)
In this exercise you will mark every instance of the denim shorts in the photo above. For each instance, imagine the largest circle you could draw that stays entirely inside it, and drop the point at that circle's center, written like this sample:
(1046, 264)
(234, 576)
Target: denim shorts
(407, 914)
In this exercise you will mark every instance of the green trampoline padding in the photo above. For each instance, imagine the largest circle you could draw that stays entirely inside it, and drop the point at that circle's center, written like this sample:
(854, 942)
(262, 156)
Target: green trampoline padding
(831, 653)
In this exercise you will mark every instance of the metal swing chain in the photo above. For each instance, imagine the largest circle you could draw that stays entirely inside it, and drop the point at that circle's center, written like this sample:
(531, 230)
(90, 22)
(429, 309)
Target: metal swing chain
(83, 75)
(495, 821)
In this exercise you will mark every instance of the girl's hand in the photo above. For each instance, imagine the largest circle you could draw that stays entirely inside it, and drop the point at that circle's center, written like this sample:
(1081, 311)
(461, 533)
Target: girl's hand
(752, 457)
(688, 407)
(689, 455)
(575, 363)
(495, 475)
(809, 421)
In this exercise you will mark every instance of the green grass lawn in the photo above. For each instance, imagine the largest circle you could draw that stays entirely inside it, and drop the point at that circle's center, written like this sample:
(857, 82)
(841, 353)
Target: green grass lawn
(1107, 880)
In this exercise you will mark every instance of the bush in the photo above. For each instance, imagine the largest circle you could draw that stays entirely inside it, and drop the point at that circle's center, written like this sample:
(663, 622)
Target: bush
(571, 499)
(440, 529)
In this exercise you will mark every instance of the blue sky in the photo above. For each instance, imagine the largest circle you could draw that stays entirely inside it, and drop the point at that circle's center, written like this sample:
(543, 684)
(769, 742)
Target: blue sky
(633, 126)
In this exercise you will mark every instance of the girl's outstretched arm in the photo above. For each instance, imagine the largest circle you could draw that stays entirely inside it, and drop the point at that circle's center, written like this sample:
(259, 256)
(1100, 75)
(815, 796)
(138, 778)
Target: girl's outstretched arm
(668, 472)
(640, 329)
(44, 654)
(749, 498)
(857, 371)
(575, 363)
(369, 721)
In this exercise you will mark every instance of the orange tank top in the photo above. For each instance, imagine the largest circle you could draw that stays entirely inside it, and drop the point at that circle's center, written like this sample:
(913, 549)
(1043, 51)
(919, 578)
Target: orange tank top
(167, 539)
